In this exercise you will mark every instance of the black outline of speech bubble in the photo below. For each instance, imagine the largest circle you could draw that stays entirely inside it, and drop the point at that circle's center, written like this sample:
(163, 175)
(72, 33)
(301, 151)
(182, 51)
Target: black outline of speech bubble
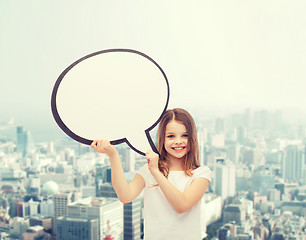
(62, 125)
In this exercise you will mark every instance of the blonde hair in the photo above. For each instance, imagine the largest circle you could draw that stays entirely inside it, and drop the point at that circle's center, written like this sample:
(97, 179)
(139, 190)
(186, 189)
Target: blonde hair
(191, 159)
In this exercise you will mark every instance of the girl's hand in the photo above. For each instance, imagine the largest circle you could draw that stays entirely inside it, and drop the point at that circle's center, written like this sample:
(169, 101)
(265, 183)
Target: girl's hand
(152, 159)
(103, 146)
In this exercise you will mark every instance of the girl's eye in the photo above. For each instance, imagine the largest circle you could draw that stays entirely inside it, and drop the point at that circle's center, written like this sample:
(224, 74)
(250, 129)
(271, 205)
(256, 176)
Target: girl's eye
(185, 135)
(170, 136)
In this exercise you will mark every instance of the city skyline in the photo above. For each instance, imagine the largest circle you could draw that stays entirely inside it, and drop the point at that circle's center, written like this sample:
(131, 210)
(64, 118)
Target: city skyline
(258, 165)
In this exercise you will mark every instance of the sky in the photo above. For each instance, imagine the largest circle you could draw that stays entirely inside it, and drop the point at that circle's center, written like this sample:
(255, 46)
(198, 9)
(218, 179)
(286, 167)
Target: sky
(218, 55)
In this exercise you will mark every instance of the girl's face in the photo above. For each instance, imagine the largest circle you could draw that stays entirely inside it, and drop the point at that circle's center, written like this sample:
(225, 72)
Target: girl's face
(176, 139)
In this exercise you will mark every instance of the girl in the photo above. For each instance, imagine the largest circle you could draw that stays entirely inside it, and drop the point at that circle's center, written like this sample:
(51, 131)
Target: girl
(174, 183)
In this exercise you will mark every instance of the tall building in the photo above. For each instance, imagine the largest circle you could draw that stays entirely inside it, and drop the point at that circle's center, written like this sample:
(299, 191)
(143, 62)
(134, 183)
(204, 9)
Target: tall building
(29, 208)
(61, 201)
(103, 175)
(103, 182)
(233, 152)
(132, 220)
(32, 207)
(105, 210)
(220, 126)
(47, 208)
(225, 178)
(241, 134)
(77, 229)
(293, 162)
(128, 159)
(202, 139)
(24, 141)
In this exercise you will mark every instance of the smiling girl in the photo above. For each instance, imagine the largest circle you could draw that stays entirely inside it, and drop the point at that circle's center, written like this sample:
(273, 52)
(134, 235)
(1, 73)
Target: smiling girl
(173, 182)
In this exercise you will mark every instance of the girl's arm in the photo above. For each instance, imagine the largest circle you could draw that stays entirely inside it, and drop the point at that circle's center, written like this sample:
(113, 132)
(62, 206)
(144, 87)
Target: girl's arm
(180, 201)
(126, 192)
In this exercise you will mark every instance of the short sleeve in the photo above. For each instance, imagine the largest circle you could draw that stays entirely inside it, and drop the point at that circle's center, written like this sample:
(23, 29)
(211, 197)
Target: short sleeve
(203, 172)
(143, 171)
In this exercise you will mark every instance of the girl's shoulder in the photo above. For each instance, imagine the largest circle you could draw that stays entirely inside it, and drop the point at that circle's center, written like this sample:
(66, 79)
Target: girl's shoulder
(202, 171)
(144, 171)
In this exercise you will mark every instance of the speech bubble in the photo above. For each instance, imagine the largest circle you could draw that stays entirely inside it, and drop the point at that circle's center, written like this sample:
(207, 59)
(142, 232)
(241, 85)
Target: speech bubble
(114, 94)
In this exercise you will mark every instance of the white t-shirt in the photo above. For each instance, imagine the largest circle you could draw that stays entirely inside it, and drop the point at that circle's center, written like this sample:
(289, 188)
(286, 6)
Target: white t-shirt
(161, 221)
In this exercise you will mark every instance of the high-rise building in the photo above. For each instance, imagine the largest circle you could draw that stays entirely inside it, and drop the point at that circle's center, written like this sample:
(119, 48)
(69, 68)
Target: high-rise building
(77, 229)
(29, 208)
(105, 210)
(32, 207)
(60, 201)
(211, 210)
(293, 162)
(241, 134)
(128, 159)
(24, 141)
(103, 175)
(202, 139)
(47, 208)
(132, 219)
(220, 126)
(233, 152)
(225, 178)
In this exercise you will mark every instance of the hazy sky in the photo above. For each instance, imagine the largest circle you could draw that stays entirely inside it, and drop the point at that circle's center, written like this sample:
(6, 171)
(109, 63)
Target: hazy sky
(216, 54)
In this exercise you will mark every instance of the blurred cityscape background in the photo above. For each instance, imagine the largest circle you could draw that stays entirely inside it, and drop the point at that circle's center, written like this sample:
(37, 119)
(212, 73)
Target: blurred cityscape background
(237, 66)
(60, 189)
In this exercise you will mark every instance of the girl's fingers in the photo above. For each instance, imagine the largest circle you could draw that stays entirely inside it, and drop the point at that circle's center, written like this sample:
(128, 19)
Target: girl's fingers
(97, 145)
(94, 144)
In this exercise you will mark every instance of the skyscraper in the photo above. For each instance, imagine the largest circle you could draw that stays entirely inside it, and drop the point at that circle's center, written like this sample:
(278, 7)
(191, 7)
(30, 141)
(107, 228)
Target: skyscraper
(61, 201)
(128, 159)
(225, 178)
(293, 162)
(132, 219)
(202, 139)
(103, 175)
(220, 126)
(24, 141)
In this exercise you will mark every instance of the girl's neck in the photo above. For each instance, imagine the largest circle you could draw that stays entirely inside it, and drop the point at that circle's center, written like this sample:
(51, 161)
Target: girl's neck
(175, 164)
